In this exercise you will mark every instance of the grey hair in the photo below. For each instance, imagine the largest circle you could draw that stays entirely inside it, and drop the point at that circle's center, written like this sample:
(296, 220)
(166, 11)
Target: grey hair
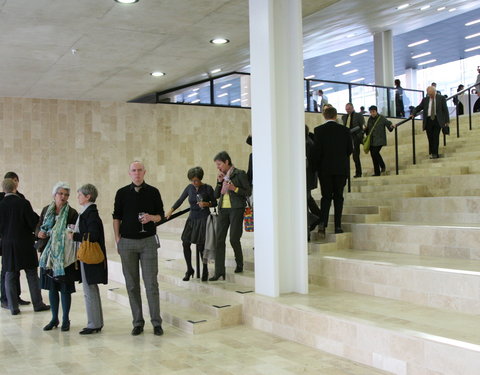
(89, 189)
(60, 185)
(8, 185)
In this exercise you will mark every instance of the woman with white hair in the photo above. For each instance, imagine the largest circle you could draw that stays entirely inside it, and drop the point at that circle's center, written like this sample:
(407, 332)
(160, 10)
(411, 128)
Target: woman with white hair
(56, 275)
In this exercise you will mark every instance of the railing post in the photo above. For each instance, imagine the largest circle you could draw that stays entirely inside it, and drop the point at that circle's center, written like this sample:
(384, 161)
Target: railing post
(388, 104)
(396, 151)
(469, 110)
(413, 141)
(212, 92)
(308, 95)
(350, 97)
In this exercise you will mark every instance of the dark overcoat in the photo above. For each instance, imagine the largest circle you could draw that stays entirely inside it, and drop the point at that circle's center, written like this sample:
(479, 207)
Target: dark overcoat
(90, 223)
(17, 223)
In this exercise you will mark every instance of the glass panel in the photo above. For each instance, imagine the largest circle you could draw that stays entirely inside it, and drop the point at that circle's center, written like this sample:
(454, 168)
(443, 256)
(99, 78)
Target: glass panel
(410, 100)
(324, 92)
(195, 94)
(363, 96)
(232, 90)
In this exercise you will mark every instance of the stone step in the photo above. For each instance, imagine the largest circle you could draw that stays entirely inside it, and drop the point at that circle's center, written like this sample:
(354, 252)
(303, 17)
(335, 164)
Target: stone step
(460, 241)
(419, 189)
(442, 209)
(432, 171)
(186, 319)
(394, 336)
(450, 284)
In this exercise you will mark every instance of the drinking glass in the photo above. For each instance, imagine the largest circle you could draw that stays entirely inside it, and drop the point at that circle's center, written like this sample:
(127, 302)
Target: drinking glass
(140, 217)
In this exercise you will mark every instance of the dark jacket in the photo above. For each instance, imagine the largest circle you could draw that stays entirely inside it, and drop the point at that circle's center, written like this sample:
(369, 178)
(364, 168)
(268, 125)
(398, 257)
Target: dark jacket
(238, 199)
(333, 147)
(90, 223)
(312, 177)
(441, 110)
(379, 136)
(17, 223)
(42, 242)
(358, 121)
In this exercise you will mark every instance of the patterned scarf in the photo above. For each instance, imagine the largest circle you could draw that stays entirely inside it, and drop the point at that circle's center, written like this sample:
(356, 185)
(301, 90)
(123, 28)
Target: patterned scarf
(226, 180)
(54, 253)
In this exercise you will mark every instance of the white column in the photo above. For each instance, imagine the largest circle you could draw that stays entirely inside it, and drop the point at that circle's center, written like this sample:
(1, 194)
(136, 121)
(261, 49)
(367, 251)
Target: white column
(383, 56)
(278, 121)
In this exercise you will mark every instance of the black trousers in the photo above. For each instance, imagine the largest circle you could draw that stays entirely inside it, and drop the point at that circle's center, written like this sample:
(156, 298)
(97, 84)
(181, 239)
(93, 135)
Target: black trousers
(3, 292)
(357, 144)
(233, 218)
(476, 106)
(433, 134)
(332, 189)
(377, 160)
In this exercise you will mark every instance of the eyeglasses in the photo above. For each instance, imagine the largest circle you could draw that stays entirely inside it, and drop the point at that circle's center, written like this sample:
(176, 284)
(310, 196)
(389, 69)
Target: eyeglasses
(64, 194)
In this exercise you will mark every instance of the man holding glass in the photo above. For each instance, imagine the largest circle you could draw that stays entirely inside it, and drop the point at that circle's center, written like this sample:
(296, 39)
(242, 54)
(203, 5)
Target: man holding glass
(138, 206)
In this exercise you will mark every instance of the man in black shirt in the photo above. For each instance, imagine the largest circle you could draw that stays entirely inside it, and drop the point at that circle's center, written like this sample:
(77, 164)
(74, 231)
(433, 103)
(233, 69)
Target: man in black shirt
(138, 207)
(3, 293)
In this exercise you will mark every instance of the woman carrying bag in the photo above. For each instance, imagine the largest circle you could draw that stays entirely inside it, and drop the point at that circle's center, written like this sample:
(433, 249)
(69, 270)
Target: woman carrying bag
(90, 226)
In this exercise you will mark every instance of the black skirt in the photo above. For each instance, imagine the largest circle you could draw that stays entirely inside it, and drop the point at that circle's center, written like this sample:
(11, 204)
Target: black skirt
(194, 231)
(63, 284)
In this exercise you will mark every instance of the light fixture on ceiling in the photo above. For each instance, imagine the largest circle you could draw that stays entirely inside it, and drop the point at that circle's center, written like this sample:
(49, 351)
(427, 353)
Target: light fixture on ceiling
(157, 74)
(472, 49)
(427, 62)
(358, 80)
(192, 95)
(441, 8)
(235, 101)
(219, 41)
(452, 9)
(425, 7)
(472, 36)
(403, 6)
(328, 89)
(317, 85)
(310, 76)
(196, 101)
(350, 72)
(351, 35)
(222, 95)
(472, 22)
(421, 55)
(418, 43)
(359, 52)
(215, 71)
(343, 63)
(226, 86)
(126, 1)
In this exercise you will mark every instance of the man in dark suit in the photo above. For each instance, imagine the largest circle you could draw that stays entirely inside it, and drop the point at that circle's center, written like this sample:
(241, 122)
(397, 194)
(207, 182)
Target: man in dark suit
(356, 123)
(3, 293)
(435, 117)
(333, 146)
(17, 223)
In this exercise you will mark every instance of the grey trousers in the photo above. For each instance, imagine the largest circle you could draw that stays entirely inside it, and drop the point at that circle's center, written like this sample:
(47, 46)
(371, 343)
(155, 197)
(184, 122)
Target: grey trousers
(93, 303)
(233, 218)
(143, 251)
(33, 286)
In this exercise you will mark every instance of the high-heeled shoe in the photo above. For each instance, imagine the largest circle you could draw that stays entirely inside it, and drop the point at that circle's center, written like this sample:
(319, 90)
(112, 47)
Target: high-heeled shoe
(89, 331)
(216, 277)
(189, 274)
(65, 326)
(51, 325)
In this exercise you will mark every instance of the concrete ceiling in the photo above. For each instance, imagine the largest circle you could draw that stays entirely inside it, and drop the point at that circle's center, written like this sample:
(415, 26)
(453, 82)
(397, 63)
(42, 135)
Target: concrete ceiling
(118, 45)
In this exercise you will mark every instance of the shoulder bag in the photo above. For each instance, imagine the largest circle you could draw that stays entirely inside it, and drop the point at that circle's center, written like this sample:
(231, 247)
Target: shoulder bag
(90, 252)
(366, 140)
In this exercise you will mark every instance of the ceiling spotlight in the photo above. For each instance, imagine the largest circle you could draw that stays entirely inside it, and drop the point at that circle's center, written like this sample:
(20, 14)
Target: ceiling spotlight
(219, 41)
(157, 74)
(418, 43)
(403, 6)
(126, 1)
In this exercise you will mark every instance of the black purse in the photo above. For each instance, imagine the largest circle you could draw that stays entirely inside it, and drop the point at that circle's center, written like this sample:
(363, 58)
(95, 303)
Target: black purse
(446, 130)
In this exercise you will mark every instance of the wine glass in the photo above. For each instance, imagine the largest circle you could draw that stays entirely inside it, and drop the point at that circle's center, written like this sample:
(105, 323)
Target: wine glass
(140, 217)
(199, 199)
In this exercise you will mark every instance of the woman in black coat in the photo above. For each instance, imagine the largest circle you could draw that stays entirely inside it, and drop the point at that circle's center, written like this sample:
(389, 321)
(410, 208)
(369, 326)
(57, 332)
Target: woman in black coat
(89, 224)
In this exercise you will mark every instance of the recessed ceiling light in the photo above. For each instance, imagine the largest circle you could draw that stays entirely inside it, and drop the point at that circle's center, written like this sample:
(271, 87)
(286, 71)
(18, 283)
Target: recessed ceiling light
(403, 6)
(196, 101)
(310, 77)
(350, 72)
(427, 62)
(126, 1)
(343, 63)
(359, 52)
(157, 74)
(219, 41)
(245, 94)
(425, 7)
(421, 55)
(215, 71)
(225, 86)
(351, 35)
(192, 95)
(196, 89)
(418, 43)
(317, 85)
(358, 80)
(452, 9)
(472, 22)
(472, 49)
(221, 95)
(472, 36)
(328, 89)
(441, 8)
(235, 101)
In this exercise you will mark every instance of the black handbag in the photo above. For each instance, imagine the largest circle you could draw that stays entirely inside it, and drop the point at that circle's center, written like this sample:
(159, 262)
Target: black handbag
(446, 130)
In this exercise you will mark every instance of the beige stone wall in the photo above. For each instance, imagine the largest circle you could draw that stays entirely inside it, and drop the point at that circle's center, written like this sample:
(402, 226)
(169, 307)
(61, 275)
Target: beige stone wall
(45, 141)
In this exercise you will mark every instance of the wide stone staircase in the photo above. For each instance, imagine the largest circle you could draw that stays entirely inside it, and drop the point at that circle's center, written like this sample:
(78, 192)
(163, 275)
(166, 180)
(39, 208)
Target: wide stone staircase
(398, 291)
